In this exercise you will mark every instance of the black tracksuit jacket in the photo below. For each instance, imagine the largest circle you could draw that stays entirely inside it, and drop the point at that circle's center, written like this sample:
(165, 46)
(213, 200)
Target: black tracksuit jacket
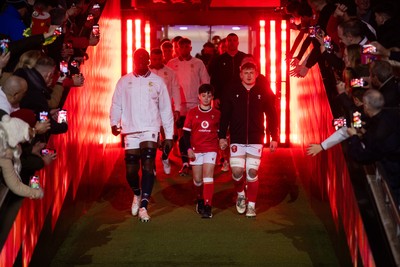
(243, 112)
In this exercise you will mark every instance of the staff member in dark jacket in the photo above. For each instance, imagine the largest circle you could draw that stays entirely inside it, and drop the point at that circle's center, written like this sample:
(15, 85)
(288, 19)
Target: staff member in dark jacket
(243, 110)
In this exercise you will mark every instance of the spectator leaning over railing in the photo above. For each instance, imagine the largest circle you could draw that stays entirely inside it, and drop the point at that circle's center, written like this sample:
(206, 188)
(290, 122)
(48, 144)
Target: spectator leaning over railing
(382, 79)
(381, 142)
(12, 132)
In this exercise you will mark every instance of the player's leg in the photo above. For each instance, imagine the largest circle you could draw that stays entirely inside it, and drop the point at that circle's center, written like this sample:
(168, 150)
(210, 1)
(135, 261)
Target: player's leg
(237, 161)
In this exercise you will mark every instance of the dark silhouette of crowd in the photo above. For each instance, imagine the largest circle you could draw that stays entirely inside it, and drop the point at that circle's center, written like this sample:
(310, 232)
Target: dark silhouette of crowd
(42, 45)
(356, 44)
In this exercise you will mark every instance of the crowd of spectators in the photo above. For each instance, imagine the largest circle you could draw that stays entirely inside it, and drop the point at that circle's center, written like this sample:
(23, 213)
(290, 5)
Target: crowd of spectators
(42, 45)
(356, 44)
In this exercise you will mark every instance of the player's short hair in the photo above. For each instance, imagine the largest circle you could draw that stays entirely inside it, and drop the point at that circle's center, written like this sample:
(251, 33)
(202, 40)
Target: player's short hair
(166, 44)
(247, 66)
(206, 88)
(156, 51)
(184, 41)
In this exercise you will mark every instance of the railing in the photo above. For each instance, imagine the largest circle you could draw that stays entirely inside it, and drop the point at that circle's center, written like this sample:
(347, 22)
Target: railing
(388, 209)
(3, 192)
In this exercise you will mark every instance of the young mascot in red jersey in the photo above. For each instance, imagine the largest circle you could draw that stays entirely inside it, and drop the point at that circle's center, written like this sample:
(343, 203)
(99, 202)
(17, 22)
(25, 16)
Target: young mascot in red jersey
(201, 137)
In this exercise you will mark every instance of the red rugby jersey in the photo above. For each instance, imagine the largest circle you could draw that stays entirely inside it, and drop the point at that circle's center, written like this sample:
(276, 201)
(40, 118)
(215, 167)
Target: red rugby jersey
(203, 127)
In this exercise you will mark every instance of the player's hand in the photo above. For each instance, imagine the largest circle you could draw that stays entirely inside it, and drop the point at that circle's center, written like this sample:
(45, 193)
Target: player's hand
(177, 115)
(168, 143)
(223, 144)
(115, 130)
(191, 154)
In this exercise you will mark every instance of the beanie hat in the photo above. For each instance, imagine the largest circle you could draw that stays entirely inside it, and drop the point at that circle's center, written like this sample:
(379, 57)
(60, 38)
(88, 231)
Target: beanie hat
(17, 4)
(27, 115)
(17, 130)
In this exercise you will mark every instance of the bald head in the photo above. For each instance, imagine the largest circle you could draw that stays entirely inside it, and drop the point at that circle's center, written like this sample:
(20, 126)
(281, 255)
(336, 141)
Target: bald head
(373, 102)
(14, 88)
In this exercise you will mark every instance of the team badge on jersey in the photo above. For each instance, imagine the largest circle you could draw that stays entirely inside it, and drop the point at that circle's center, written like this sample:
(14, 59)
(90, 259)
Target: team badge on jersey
(259, 97)
(234, 148)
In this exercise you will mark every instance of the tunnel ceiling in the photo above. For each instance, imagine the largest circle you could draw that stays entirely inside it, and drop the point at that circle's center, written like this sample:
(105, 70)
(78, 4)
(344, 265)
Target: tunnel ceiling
(204, 12)
(204, 4)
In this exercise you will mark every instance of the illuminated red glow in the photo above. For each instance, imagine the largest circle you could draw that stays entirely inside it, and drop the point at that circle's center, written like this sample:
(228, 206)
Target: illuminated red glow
(310, 122)
(83, 149)
(138, 33)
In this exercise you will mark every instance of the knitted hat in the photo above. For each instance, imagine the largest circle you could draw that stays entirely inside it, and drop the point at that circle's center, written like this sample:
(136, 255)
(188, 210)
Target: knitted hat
(17, 130)
(26, 115)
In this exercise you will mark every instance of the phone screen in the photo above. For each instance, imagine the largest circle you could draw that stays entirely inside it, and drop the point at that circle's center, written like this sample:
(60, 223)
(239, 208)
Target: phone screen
(43, 116)
(47, 151)
(4, 45)
(62, 116)
(96, 30)
(339, 123)
(357, 123)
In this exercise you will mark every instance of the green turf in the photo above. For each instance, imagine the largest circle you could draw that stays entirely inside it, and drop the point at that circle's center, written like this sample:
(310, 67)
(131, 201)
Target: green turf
(285, 232)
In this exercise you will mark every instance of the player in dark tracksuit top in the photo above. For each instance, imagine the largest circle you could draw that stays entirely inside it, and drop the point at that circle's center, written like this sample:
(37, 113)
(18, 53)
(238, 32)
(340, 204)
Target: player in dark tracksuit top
(243, 110)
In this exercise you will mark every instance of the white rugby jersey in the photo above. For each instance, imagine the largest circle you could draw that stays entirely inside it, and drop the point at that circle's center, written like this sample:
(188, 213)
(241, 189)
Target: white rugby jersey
(171, 80)
(191, 74)
(142, 103)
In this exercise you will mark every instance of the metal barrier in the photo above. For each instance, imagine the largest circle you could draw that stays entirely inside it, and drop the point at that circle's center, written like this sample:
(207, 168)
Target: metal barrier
(388, 209)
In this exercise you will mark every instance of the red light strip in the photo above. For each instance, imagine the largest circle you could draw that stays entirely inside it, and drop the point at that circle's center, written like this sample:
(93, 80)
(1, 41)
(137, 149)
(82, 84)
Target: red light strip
(138, 34)
(129, 45)
(147, 36)
(262, 47)
(283, 84)
(272, 55)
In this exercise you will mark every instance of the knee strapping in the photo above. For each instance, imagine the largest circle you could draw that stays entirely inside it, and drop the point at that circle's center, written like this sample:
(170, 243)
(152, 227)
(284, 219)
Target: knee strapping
(132, 159)
(197, 183)
(148, 153)
(237, 162)
(237, 178)
(252, 164)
